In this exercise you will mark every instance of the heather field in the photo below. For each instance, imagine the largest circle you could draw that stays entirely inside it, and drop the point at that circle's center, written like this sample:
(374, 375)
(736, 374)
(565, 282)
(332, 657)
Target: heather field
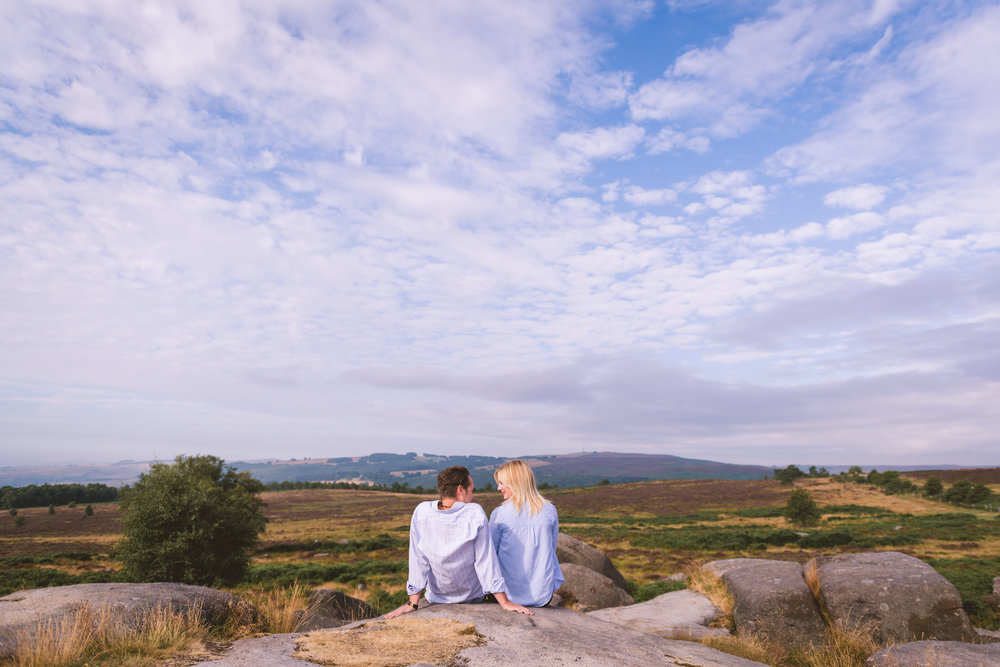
(356, 541)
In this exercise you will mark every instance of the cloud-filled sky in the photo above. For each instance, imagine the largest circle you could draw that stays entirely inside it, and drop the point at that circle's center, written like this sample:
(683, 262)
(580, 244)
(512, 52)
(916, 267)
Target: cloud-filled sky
(740, 231)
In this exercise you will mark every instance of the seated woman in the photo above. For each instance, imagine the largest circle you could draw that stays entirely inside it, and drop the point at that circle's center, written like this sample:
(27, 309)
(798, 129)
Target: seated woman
(525, 531)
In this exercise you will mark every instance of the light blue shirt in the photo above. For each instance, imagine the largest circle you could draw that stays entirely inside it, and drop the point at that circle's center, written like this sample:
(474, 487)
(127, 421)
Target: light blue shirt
(526, 548)
(451, 555)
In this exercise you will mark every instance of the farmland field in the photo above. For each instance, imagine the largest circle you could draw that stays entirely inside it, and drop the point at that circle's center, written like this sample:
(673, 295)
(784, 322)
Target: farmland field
(356, 541)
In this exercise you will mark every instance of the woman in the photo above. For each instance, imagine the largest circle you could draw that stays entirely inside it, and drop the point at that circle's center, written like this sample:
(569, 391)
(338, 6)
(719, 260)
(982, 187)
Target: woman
(525, 531)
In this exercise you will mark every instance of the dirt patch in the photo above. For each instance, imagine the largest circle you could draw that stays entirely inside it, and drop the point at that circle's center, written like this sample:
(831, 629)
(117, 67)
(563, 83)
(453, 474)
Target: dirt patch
(399, 642)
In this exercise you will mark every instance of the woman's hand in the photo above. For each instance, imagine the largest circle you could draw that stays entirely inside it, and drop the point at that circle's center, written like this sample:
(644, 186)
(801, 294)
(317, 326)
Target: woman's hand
(507, 605)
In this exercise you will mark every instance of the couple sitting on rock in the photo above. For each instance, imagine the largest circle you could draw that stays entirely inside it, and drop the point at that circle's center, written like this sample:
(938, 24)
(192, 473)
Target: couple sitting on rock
(456, 556)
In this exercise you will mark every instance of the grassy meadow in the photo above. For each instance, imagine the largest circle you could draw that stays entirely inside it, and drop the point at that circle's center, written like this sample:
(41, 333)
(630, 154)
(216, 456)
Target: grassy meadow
(356, 541)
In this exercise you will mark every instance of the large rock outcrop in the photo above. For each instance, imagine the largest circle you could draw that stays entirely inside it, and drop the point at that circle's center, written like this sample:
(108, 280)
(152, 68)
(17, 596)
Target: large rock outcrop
(936, 654)
(571, 550)
(123, 606)
(328, 608)
(771, 598)
(591, 590)
(553, 636)
(677, 615)
(899, 597)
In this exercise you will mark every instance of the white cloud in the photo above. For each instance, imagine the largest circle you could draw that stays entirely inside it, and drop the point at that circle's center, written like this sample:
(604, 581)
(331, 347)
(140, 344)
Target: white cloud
(847, 226)
(858, 197)
(603, 142)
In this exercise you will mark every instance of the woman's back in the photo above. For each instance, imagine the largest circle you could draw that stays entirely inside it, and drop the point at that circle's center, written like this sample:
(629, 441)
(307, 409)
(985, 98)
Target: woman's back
(526, 548)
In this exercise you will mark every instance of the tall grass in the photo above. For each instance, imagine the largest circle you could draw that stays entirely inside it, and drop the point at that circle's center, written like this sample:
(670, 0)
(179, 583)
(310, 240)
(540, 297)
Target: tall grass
(97, 637)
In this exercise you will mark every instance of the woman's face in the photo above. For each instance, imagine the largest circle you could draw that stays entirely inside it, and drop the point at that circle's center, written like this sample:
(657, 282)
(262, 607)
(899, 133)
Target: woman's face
(502, 488)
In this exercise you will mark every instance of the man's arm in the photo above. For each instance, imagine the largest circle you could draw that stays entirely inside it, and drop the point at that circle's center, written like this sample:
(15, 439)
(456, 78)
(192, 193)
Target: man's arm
(419, 570)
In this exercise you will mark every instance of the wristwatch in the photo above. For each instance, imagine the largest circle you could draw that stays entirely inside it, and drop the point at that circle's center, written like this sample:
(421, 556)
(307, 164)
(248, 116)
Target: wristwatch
(410, 603)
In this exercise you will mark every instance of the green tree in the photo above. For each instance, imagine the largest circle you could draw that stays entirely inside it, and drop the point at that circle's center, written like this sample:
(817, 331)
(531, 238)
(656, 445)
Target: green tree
(604, 482)
(18, 521)
(89, 510)
(194, 521)
(789, 474)
(52, 509)
(801, 509)
(933, 487)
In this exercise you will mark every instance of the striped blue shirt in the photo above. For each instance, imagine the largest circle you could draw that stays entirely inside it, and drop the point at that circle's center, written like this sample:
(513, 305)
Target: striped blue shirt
(526, 548)
(451, 555)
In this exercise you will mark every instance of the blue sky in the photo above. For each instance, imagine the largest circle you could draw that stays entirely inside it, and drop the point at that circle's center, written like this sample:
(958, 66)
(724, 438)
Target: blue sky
(741, 231)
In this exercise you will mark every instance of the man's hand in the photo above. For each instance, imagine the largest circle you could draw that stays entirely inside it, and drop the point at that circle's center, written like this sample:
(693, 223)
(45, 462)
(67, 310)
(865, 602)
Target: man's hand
(410, 605)
(399, 611)
(507, 605)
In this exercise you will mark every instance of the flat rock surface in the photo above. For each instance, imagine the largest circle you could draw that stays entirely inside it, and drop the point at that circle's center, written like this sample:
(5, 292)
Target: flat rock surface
(22, 612)
(903, 598)
(936, 654)
(553, 636)
(677, 615)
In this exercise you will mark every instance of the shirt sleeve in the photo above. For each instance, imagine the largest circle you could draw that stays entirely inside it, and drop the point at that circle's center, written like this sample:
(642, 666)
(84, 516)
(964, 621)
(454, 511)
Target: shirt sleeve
(487, 565)
(495, 529)
(419, 567)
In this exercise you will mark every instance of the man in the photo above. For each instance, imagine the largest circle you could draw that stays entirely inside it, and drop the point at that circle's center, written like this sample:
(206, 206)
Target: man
(451, 554)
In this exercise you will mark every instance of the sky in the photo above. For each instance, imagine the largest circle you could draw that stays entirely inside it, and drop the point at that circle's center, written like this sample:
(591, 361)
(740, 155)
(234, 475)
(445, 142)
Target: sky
(744, 231)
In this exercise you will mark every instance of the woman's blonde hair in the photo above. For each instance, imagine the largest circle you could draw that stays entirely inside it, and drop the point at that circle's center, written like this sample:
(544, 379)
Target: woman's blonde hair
(516, 475)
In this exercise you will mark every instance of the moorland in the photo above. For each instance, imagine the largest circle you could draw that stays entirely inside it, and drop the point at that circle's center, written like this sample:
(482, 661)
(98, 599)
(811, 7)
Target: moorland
(356, 540)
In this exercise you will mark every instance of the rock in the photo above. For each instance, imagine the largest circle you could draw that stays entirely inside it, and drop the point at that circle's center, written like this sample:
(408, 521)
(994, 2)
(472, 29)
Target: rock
(996, 586)
(900, 597)
(677, 576)
(330, 609)
(677, 615)
(571, 550)
(23, 612)
(936, 654)
(553, 636)
(591, 589)
(771, 598)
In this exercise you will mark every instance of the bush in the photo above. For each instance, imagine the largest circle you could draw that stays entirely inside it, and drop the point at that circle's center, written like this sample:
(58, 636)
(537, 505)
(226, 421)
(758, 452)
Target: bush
(801, 509)
(194, 521)
(89, 510)
(933, 487)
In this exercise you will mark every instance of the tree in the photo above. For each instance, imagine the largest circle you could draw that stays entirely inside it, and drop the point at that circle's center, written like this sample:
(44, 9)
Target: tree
(801, 509)
(933, 487)
(194, 521)
(788, 475)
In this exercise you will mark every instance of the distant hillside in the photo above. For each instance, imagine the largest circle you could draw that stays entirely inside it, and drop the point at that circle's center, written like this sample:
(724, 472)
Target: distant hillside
(411, 469)
(563, 470)
(583, 469)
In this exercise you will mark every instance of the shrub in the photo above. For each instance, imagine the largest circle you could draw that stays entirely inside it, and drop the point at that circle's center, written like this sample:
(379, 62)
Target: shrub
(194, 521)
(89, 510)
(18, 521)
(52, 509)
(801, 509)
(933, 487)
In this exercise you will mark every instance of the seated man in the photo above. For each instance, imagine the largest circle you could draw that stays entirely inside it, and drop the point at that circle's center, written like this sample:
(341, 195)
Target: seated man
(451, 554)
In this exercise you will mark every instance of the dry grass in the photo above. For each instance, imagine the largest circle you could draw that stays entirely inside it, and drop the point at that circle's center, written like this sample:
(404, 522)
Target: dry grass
(751, 647)
(97, 637)
(830, 491)
(283, 609)
(711, 586)
(403, 641)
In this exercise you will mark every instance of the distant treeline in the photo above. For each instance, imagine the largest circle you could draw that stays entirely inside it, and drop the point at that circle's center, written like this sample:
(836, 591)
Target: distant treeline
(34, 495)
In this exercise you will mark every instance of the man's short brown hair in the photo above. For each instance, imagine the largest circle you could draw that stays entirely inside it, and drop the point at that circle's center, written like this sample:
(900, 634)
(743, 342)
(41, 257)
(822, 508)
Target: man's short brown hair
(451, 478)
